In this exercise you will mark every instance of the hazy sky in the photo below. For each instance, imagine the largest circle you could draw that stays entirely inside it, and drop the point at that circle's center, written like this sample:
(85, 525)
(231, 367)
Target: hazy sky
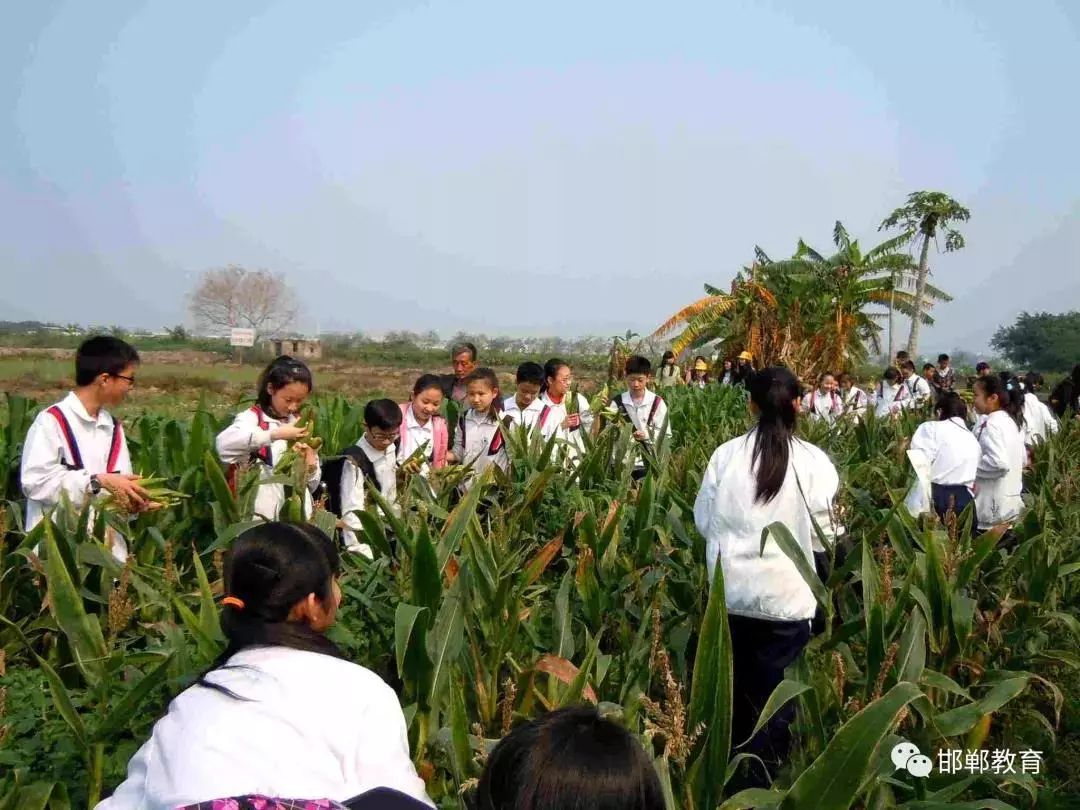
(574, 167)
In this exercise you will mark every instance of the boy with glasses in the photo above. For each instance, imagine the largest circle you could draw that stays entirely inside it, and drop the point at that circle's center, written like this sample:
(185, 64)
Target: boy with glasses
(374, 459)
(76, 449)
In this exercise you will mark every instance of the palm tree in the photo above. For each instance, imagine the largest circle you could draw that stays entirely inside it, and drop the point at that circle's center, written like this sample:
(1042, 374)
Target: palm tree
(925, 215)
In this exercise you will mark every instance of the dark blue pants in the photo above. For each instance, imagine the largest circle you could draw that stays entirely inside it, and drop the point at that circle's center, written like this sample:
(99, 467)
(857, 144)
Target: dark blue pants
(950, 496)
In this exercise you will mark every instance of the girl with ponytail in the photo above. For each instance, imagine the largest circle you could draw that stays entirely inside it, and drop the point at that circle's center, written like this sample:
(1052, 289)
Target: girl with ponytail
(752, 481)
(281, 713)
(1000, 478)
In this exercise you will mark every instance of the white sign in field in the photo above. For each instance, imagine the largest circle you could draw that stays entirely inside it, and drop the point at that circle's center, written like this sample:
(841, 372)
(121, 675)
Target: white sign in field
(242, 337)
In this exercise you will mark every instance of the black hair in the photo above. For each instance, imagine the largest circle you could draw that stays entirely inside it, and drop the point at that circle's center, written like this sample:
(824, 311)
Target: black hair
(270, 568)
(1033, 381)
(102, 355)
(891, 374)
(461, 348)
(821, 377)
(908, 365)
(486, 375)
(426, 381)
(530, 372)
(774, 391)
(384, 414)
(902, 356)
(281, 371)
(928, 365)
(942, 358)
(951, 405)
(636, 364)
(569, 759)
(668, 355)
(845, 377)
(1007, 390)
(982, 364)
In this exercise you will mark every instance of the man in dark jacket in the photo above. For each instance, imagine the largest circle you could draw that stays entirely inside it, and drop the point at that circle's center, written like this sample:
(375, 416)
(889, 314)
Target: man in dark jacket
(463, 356)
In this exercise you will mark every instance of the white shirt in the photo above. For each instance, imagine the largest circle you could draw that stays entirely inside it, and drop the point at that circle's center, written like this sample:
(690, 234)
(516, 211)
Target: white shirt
(891, 398)
(1000, 476)
(952, 450)
(44, 477)
(553, 426)
(473, 448)
(353, 491)
(821, 405)
(919, 388)
(237, 443)
(639, 411)
(312, 725)
(855, 401)
(414, 436)
(529, 416)
(1039, 421)
(764, 585)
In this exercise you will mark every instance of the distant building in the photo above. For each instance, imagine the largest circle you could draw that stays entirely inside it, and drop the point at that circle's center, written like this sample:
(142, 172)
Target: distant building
(301, 348)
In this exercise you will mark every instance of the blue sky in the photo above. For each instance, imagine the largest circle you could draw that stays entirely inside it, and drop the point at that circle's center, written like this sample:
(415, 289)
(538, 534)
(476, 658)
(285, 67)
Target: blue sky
(570, 167)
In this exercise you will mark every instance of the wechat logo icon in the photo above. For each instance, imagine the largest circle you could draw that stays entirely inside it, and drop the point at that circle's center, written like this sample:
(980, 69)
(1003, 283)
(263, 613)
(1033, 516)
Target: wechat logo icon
(907, 757)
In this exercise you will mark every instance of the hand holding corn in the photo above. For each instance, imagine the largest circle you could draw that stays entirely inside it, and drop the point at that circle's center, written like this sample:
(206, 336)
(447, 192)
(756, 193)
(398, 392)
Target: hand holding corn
(134, 494)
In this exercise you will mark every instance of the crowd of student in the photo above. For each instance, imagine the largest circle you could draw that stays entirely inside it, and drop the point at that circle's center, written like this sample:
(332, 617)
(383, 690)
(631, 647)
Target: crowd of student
(281, 713)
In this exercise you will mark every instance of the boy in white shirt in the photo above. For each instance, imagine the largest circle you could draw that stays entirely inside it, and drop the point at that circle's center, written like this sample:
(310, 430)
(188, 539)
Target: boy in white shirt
(892, 396)
(478, 440)
(76, 448)
(646, 410)
(855, 399)
(374, 459)
(525, 407)
(918, 387)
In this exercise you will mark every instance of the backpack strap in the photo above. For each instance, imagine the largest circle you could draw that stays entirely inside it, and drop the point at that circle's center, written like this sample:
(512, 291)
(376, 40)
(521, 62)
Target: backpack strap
(461, 428)
(621, 407)
(545, 412)
(899, 393)
(114, 447)
(358, 457)
(263, 454)
(69, 437)
(652, 411)
(497, 440)
(441, 435)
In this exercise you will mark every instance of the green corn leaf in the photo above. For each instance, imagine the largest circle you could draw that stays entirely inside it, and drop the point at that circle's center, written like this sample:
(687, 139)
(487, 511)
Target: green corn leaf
(223, 497)
(209, 620)
(445, 642)
(426, 576)
(790, 546)
(576, 689)
(121, 715)
(963, 718)
(784, 693)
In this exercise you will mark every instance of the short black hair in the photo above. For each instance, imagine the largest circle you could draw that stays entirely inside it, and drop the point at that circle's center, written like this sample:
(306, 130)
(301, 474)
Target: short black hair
(483, 374)
(282, 371)
(530, 372)
(845, 377)
(102, 354)
(636, 364)
(982, 366)
(942, 358)
(461, 348)
(426, 381)
(569, 758)
(907, 365)
(928, 365)
(891, 374)
(902, 355)
(384, 414)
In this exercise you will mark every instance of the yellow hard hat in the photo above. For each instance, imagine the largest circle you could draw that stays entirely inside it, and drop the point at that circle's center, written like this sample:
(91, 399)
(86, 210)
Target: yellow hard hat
(701, 365)
(746, 356)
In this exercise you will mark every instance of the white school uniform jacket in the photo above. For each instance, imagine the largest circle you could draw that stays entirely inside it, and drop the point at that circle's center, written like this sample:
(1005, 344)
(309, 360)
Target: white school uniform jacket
(764, 585)
(855, 401)
(413, 437)
(650, 416)
(952, 450)
(530, 417)
(311, 725)
(245, 440)
(919, 388)
(828, 406)
(353, 490)
(479, 442)
(553, 424)
(891, 398)
(1000, 476)
(1039, 421)
(50, 456)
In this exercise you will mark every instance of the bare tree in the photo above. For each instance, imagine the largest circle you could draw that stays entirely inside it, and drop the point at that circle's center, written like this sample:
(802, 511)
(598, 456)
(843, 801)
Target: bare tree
(234, 297)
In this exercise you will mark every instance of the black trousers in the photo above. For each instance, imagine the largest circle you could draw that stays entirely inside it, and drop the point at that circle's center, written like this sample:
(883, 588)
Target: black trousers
(952, 496)
(762, 650)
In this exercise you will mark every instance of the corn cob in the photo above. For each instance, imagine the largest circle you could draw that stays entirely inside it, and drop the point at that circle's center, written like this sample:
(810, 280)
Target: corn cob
(156, 492)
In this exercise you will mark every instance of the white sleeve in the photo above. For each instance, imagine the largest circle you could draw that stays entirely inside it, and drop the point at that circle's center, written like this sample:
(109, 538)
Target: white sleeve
(352, 494)
(994, 462)
(662, 420)
(243, 437)
(808, 403)
(820, 501)
(1049, 419)
(43, 475)
(381, 757)
(703, 505)
(123, 460)
(585, 412)
(925, 441)
(316, 476)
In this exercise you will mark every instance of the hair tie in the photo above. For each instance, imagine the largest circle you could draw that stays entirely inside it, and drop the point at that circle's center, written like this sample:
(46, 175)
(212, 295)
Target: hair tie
(233, 601)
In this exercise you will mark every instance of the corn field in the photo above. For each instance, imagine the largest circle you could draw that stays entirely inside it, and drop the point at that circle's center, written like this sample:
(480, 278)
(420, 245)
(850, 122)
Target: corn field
(545, 587)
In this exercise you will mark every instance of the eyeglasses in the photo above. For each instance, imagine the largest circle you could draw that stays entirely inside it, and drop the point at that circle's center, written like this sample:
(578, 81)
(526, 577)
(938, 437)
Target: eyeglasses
(131, 380)
(378, 435)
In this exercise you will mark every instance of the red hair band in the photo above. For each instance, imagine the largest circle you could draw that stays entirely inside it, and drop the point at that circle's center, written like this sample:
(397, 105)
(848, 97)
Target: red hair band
(233, 601)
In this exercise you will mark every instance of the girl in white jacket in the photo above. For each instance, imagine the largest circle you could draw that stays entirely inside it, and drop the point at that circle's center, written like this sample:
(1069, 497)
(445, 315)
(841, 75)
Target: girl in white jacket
(1039, 421)
(999, 480)
(752, 481)
(824, 402)
(261, 434)
(282, 712)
